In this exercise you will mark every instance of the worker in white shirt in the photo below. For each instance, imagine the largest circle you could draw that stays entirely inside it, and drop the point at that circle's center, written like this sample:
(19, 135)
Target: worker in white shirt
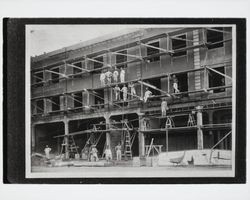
(115, 75)
(117, 91)
(122, 75)
(108, 154)
(109, 77)
(47, 152)
(102, 78)
(147, 94)
(132, 89)
(175, 84)
(118, 152)
(94, 151)
(164, 107)
(125, 92)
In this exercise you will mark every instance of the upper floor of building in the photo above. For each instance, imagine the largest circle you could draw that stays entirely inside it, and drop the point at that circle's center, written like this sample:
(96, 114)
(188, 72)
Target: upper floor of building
(70, 78)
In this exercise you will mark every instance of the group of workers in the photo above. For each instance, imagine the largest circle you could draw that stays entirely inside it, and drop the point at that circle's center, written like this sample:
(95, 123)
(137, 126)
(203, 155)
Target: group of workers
(92, 153)
(109, 77)
(130, 90)
(108, 153)
(125, 91)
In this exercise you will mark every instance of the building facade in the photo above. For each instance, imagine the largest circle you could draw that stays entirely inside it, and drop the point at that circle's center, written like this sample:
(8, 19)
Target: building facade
(68, 99)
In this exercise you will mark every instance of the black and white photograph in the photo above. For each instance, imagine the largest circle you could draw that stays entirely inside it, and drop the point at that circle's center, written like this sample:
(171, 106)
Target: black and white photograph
(130, 100)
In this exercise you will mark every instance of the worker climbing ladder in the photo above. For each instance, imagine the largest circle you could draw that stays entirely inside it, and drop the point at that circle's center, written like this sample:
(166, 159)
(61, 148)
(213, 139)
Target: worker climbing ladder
(69, 146)
(169, 122)
(191, 120)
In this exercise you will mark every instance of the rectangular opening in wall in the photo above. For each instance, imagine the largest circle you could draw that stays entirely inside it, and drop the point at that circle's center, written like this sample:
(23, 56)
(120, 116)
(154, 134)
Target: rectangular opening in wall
(40, 106)
(215, 38)
(38, 78)
(121, 58)
(99, 97)
(157, 84)
(99, 62)
(152, 51)
(55, 75)
(78, 100)
(182, 82)
(217, 80)
(55, 103)
(178, 45)
(77, 69)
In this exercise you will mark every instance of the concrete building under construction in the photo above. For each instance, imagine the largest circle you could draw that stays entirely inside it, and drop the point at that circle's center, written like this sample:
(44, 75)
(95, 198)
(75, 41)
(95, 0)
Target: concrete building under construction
(71, 108)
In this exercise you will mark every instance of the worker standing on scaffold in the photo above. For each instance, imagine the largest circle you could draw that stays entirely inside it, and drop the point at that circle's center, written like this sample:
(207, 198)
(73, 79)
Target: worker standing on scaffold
(102, 78)
(164, 107)
(125, 92)
(132, 89)
(115, 75)
(147, 94)
(122, 75)
(175, 84)
(109, 77)
(117, 91)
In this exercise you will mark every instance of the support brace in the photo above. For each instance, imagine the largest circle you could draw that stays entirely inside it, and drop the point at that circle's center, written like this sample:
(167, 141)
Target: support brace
(74, 66)
(226, 76)
(154, 87)
(97, 61)
(128, 55)
(158, 48)
(63, 75)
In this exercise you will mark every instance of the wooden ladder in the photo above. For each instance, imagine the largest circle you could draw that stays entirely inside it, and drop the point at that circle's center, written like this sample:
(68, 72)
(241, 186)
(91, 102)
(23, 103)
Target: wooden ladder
(127, 146)
(191, 120)
(169, 122)
(72, 148)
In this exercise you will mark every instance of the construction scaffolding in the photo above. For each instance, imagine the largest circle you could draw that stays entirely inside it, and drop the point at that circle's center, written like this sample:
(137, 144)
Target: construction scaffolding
(182, 102)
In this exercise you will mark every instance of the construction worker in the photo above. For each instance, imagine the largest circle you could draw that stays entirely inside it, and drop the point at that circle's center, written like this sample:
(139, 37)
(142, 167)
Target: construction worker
(93, 152)
(47, 151)
(115, 75)
(118, 152)
(145, 124)
(122, 75)
(125, 92)
(108, 75)
(147, 94)
(117, 91)
(164, 107)
(86, 152)
(132, 89)
(102, 78)
(108, 153)
(175, 84)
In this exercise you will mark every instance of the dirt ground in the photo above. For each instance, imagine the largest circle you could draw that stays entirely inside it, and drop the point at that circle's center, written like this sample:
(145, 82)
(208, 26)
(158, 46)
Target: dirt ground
(119, 171)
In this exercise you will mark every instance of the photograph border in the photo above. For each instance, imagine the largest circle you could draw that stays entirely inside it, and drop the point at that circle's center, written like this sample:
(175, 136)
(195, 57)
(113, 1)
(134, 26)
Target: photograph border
(14, 123)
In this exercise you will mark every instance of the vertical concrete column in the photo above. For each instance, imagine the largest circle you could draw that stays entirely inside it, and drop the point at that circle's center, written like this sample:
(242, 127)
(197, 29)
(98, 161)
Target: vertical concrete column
(62, 103)
(47, 77)
(33, 137)
(199, 124)
(47, 106)
(210, 121)
(66, 133)
(197, 63)
(141, 137)
(107, 119)
(167, 139)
